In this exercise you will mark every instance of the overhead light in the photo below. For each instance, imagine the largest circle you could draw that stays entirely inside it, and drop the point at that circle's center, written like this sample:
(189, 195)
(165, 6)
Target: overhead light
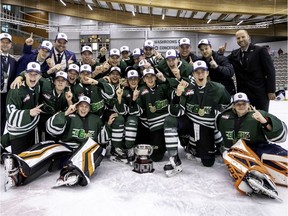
(133, 12)
(63, 2)
(209, 21)
(90, 7)
(240, 22)
(163, 14)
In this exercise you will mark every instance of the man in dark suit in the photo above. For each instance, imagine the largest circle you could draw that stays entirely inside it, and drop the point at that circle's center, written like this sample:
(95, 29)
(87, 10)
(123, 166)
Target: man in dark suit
(60, 55)
(254, 70)
(8, 73)
(37, 55)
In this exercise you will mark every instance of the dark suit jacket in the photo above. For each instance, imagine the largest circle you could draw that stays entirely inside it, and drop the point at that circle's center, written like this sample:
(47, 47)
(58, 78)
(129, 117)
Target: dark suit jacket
(12, 73)
(68, 55)
(258, 78)
(223, 73)
(30, 55)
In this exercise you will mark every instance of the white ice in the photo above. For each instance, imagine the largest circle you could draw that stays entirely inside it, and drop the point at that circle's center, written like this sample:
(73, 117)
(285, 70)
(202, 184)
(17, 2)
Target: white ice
(115, 190)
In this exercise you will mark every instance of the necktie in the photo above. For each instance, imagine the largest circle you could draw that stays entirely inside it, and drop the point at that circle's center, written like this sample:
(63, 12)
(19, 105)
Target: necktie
(59, 59)
(243, 59)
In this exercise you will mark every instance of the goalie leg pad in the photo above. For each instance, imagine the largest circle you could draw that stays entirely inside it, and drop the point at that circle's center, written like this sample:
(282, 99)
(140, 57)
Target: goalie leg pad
(242, 162)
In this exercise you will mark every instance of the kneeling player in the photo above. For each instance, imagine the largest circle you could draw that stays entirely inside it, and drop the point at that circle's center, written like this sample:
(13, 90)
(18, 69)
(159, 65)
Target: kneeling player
(252, 159)
(78, 157)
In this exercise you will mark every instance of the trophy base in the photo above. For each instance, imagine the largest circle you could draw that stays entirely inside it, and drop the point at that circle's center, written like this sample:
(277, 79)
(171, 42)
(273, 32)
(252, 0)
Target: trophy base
(143, 166)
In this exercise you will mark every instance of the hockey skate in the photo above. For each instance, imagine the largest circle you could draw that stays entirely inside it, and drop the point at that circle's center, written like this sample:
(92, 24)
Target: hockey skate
(173, 167)
(261, 184)
(118, 155)
(11, 172)
(69, 179)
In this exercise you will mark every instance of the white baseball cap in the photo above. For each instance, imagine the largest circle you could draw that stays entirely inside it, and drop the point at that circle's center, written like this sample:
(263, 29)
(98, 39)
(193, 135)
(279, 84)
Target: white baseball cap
(84, 98)
(6, 35)
(200, 65)
(137, 52)
(148, 71)
(184, 41)
(73, 67)
(204, 41)
(240, 97)
(132, 74)
(33, 67)
(124, 49)
(115, 69)
(61, 36)
(149, 44)
(61, 74)
(86, 48)
(171, 54)
(46, 45)
(85, 67)
(113, 52)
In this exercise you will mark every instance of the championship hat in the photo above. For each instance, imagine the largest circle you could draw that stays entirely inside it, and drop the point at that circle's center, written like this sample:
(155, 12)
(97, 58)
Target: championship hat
(184, 41)
(33, 67)
(85, 67)
(46, 45)
(86, 48)
(200, 65)
(149, 44)
(124, 49)
(204, 41)
(240, 97)
(115, 69)
(61, 74)
(6, 35)
(61, 36)
(148, 71)
(137, 52)
(113, 52)
(132, 74)
(84, 98)
(171, 54)
(73, 67)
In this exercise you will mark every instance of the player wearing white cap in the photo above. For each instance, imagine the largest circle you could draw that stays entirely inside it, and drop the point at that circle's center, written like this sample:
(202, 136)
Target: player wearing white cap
(249, 149)
(23, 110)
(126, 55)
(77, 155)
(198, 103)
(185, 51)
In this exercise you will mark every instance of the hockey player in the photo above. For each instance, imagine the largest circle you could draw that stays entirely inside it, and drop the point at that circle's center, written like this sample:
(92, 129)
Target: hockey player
(126, 55)
(199, 103)
(255, 130)
(78, 154)
(153, 100)
(127, 106)
(151, 55)
(185, 51)
(23, 110)
(118, 151)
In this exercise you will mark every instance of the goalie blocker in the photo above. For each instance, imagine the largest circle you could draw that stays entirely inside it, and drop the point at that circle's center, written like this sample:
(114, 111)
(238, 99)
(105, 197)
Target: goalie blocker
(250, 172)
(50, 156)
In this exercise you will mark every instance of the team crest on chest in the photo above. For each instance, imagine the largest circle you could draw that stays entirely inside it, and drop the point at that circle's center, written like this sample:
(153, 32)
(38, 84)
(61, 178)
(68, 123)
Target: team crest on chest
(189, 92)
(145, 91)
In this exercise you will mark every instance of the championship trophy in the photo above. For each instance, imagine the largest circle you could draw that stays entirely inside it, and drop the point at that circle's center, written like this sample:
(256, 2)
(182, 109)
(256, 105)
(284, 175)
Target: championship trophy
(143, 163)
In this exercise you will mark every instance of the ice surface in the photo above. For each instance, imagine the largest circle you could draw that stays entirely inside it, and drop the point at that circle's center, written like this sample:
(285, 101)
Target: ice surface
(116, 190)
